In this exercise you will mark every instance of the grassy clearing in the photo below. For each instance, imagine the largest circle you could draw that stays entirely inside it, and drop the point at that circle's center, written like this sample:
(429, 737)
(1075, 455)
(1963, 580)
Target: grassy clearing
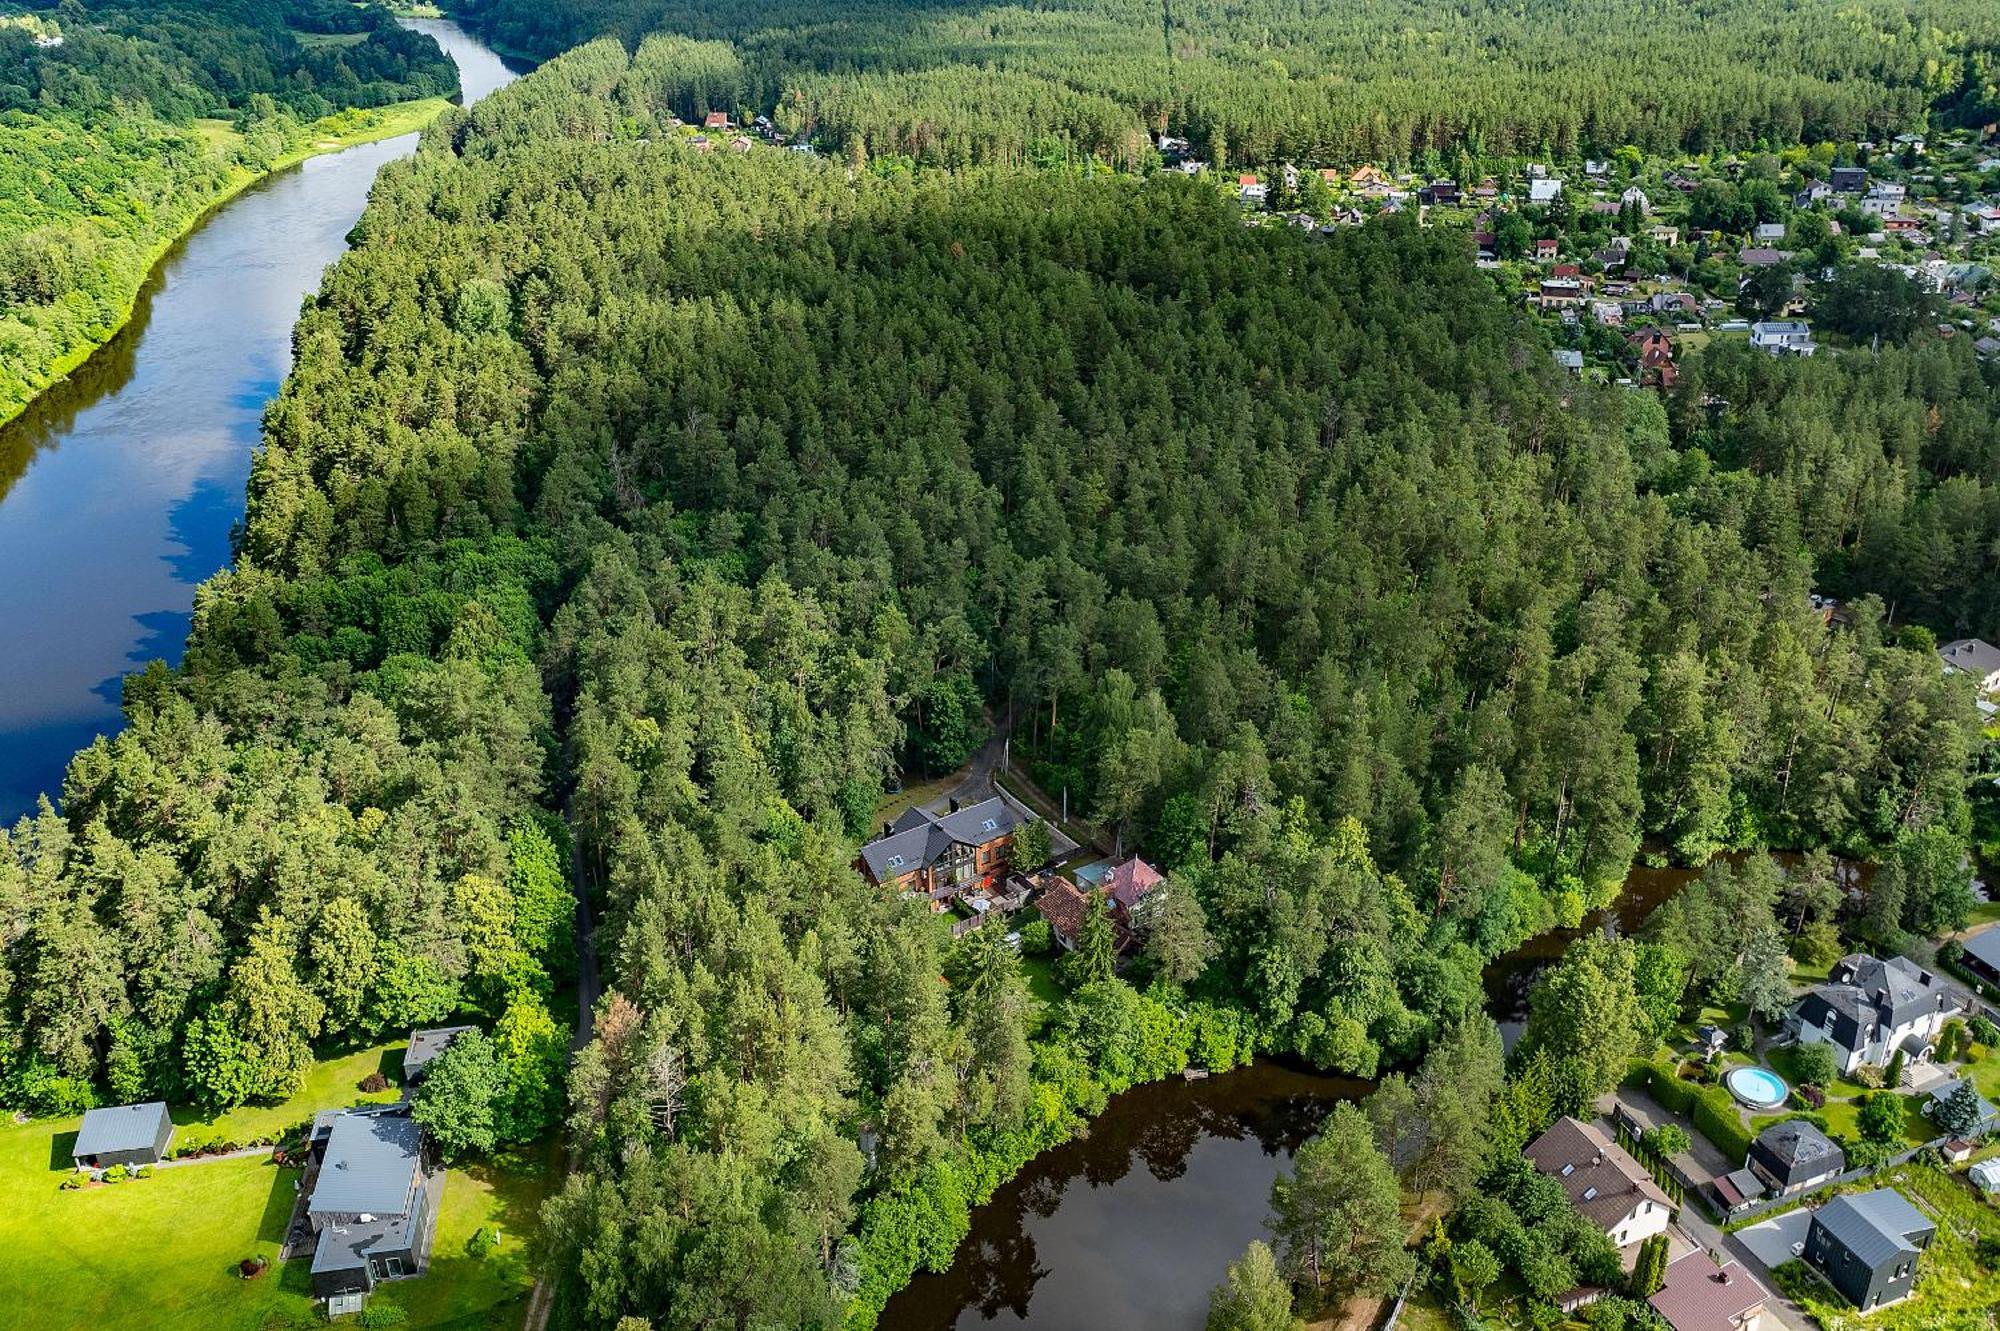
(160, 1254)
(1954, 1287)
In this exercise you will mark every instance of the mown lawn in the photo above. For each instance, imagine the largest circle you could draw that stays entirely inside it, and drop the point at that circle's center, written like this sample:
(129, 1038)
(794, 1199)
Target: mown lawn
(160, 1254)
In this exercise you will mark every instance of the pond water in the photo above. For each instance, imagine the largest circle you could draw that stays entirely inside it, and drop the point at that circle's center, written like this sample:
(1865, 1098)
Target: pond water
(120, 486)
(1132, 1225)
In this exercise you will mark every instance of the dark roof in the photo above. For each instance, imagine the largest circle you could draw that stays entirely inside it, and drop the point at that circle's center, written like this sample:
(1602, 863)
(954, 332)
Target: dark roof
(372, 1165)
(1739, 1186)
(1984, 947)
(346, 1247)
(1862, 990)
(1795, 1150)
(122, 1128)
(1604, 1182)
(427, 1045)
(1943, 1091)
(1875, 1226)
(1974, 656)
(1697, 1296)
(920, 836)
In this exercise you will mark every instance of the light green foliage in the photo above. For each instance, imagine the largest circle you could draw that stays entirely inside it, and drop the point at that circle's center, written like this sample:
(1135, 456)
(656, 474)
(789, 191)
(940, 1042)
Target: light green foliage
(1255, 1297)
(1584, 1012)
(1337, 1214)
(460, 1098)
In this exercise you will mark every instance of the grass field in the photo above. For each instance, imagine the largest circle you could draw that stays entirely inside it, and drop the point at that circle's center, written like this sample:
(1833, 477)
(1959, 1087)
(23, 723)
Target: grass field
(160, 1254)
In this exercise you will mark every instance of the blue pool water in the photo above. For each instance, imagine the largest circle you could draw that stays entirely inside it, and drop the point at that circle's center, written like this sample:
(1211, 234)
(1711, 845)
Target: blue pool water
(1757, 1086)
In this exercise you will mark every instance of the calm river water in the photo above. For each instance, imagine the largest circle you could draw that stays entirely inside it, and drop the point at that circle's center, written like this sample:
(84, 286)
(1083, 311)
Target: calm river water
(118, 489)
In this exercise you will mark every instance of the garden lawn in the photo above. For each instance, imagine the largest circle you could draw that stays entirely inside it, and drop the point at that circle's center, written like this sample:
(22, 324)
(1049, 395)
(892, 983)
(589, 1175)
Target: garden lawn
(333, 1083)
(154, 1254)
(1954, 1288)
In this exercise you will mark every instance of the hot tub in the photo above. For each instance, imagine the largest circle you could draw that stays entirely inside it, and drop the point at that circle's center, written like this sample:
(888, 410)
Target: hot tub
(1757, 1088)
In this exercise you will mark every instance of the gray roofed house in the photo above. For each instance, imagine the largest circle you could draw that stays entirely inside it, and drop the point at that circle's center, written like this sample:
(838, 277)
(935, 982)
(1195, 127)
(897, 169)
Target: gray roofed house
(1988, 1119)
(1869, 1008)
(123, 1135)
(1795, 1155)
(941, 854)
(1975, 657)
(372, 1204)
(1867, 1246)
(425, 1046)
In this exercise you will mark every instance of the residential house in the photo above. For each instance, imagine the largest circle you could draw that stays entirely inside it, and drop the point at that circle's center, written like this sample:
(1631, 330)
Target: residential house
(1760, 256)
(1556, 292)
(1546, 249)
(1698, 1295)
(1607, 313)
(372, 1202)
(1637, 197)
(700, 143)
(1367, 175)
(1975, 657)
(1794, 1156)
(1769, 231)
(1173, 147)
(123, 1135)
(1783, 337)
(1656, 358)
(740, 144)
(1596, 169)
(1867, 1245)
(1544, 191)
(1849, 179)
(1608, 1187)
(1064, 906)
(1439, 192)
(941, 855)
(1818, 192)
(715, 120)
(1868, 1009)
(1569, 359)
(1884, 199)
(1665, 235)
(1249, 189)
(1127, 885)
(424, 1047)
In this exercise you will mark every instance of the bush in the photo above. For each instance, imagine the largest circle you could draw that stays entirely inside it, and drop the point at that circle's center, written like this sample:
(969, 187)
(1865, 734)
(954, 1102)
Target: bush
(1815, 1065)
(1984, 1031)
(483, 1241)
(71, 1182)
(374, 1082)
(143, 1171)
(378, 1314)
(1868, 1075)
(1743, 1037)
(115, 1174)
(1715, 1118)
(1037, 939)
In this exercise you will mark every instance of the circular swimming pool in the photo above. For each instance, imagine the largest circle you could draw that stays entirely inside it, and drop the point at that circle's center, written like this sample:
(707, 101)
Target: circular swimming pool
(1757, 1088)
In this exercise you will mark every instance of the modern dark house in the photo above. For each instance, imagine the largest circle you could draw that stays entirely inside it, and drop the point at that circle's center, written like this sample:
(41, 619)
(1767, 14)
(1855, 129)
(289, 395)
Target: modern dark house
(123, 1135)
(372, 1203)
(941, 855)
(1867, 1246)
(426, 1046)
(1982, 955)
(1849, 179)
(1794, 1156)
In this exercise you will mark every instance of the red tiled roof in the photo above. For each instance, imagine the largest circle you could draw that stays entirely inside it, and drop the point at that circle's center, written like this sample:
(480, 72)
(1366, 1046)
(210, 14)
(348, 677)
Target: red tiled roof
(1063, 907)
(1696, 1296)
(1126, 883)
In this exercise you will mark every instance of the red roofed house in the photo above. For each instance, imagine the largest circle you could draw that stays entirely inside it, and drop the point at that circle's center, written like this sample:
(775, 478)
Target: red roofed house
(1656, 357)
(1697, 1295)
(1545, 248)
(1064, 908)
(716, 120)
(1127, 884)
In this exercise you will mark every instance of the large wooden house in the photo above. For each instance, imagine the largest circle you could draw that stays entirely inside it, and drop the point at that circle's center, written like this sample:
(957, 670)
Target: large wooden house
(942, 855)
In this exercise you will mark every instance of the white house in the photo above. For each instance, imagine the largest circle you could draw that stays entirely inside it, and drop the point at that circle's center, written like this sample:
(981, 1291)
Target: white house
(1783, 337)
(1608, 1187)
(1975, 657)
(1544, 190)
(1868, 1009)
(1249, 189)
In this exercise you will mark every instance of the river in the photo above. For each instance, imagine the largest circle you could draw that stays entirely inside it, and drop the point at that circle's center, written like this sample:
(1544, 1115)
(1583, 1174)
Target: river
(1130, 1225)
(119, 487)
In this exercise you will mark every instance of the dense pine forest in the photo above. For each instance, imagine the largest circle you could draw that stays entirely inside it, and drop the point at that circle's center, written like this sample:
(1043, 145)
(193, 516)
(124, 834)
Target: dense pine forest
(668, 500)
(123, 120)
(1263, 82)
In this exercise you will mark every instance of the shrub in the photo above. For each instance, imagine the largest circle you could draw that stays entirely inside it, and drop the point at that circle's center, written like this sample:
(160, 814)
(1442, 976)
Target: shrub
(1715, 1118)
(1815, 1065)
(379, 1314)
(1743, 1036)
(115, 1174)
(143, 1171)
(71, 1182)
(374, 1082)
(1037, 939)
(483, 1241)
(1984, 1031)
(1868, 1075)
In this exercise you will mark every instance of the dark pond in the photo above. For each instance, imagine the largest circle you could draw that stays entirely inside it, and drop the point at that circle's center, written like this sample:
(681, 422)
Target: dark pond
(1130, 1226)
(119, 487)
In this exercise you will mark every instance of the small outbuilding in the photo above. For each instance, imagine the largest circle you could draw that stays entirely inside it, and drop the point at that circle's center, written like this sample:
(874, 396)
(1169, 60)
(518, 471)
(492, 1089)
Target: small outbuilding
(424, 1047)
(124, 1135)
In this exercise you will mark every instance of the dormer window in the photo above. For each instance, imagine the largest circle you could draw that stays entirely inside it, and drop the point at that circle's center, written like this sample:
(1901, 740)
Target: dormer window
(1589, 1194)
(1568, 1170)
(990, 825)
(895, 861)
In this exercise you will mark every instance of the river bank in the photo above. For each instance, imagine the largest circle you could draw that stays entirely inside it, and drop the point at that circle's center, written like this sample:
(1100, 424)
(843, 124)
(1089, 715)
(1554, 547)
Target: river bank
(335, 133)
